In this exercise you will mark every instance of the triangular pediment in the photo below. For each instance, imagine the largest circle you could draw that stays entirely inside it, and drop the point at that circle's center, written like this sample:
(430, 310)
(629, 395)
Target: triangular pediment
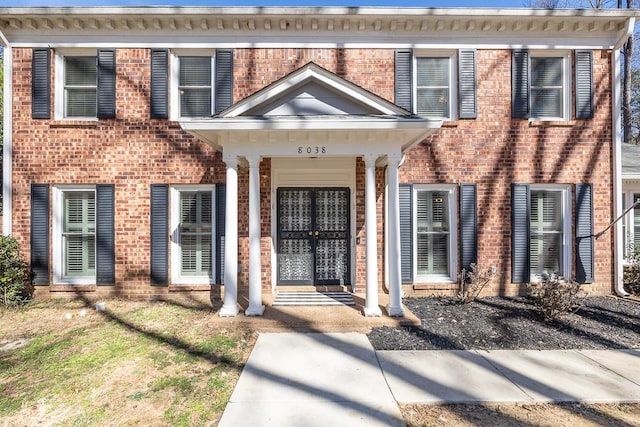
(312, 91)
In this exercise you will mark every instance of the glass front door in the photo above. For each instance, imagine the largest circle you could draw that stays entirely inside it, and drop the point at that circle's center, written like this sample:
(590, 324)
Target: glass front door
(313, 236)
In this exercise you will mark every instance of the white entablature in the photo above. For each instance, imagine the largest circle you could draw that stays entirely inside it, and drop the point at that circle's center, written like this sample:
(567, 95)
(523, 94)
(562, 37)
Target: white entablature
(179, 26)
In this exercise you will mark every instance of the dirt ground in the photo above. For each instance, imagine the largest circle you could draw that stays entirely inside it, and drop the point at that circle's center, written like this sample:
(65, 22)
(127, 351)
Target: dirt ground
(503, 415)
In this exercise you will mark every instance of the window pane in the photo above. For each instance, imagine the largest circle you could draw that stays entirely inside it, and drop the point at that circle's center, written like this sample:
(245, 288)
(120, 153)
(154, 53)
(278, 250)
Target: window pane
(195, 102)
(433, 254)
(432, 211)
(195, 71)
(432, 71)
(81, 102)
(196, 233)
(79, 229)
(80, 71)
(433, 102)
(546, 247)
(546, 102)
(546, 71)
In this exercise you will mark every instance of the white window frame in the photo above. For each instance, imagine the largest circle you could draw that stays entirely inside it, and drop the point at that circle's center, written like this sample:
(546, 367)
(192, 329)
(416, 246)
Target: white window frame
(174, 78)
(58, 241)
(566, 83)
(453, 79)
(176, 249)
(452, 194)
(628, 220)
(59, 98)
(566, 227)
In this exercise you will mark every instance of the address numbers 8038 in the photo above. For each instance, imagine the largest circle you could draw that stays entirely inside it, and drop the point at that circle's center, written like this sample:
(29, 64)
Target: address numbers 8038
(316, 149)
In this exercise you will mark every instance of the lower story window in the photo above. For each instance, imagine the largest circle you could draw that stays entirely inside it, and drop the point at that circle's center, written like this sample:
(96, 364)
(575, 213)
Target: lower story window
(631, 223)
(75, 230)
(435, 241)
(549, 232)
(193, 238)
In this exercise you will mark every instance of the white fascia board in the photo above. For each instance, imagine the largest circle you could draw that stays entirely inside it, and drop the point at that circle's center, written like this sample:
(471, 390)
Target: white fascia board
(338, 124)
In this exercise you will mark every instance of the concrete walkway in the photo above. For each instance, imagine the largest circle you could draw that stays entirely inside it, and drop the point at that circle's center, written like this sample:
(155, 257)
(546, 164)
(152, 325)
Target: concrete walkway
(318, 379)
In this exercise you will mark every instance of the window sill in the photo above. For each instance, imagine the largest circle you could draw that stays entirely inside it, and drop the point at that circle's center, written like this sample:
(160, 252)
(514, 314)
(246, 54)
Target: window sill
(62, 123)
(552, 123)
(65, 287)
(435, 286)
(188, 288)
(450, 124)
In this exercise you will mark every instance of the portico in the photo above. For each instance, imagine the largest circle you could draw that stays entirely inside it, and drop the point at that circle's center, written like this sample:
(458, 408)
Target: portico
(313, 116)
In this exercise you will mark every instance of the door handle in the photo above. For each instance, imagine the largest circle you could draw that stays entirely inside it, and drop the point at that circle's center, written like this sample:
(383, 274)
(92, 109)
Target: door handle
(311, 233)
(317, 233)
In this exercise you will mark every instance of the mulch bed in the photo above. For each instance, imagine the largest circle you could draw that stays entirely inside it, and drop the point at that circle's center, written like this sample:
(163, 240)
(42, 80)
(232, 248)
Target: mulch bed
(512, 324)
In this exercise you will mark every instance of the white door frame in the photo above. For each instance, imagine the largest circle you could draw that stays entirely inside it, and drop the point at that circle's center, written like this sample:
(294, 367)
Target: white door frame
(313, 172)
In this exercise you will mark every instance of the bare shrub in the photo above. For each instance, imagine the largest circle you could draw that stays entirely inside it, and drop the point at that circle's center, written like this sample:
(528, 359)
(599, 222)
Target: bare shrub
(474, 281)
(554, 296)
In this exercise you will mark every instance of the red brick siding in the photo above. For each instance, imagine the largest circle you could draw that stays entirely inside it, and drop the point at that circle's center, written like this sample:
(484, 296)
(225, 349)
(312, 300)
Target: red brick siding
(133, 152)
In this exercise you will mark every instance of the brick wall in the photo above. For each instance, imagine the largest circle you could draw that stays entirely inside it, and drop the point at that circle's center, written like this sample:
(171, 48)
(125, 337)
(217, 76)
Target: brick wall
(133, 152)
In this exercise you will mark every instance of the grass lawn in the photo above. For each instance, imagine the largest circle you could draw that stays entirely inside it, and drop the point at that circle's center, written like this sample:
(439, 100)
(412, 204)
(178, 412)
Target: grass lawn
(146, 363)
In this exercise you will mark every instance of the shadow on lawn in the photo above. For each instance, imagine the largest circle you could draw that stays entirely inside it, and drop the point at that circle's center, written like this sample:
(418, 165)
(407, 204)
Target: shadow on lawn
(297, 323)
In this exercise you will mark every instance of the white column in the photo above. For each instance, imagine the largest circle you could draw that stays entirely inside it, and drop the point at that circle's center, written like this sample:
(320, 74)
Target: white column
(371, 299)
(230, 306)
(255, 265)
(395, 278)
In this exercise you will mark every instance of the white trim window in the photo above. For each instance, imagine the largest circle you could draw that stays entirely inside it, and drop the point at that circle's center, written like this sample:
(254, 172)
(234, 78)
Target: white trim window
(435, 228)
(435, 85)
(76, 85)
(193, 236)
(74, 235)
(631, 222)
(549, 245)
(192, 83)
(550, 85)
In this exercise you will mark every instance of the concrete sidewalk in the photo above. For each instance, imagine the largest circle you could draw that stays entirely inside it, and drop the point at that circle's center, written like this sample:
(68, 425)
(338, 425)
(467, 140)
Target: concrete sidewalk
(337, 378)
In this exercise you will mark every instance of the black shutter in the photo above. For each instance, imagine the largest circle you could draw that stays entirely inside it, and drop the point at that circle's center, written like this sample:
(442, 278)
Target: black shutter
(220, 222)
(106, 83)
(40, 83)
(467, 83)
(224, 79)
(468, 225)
(520, 232)
(584, 84)
(159, 84)
(40, 233)
(520, 84)
(405, 196)
(404, 79)
(584, 233)
(105, 251)
(159, 234)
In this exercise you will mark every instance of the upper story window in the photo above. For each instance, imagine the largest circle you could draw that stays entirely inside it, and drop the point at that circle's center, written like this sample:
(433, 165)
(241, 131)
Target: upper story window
(541, 85)
(85, 87)
(549, 82)
(193, 88)
(80, 86)
(434, 86)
